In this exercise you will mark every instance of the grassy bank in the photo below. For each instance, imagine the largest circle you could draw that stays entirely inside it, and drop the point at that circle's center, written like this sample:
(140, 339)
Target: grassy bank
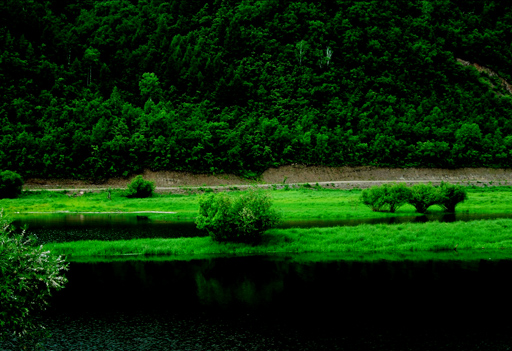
(305, 203)
(311, 257)
(494, 235)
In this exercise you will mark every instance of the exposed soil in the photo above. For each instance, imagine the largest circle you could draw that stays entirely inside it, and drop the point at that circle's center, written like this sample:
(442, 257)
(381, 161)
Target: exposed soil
(339, 177)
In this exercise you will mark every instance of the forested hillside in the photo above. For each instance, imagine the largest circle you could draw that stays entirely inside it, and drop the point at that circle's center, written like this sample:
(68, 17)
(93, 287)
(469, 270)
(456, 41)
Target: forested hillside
(93, 89)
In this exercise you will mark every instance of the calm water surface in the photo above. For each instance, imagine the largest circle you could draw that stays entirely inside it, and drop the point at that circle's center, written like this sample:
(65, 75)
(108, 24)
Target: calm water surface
(73, 227)
(268, 303)
(272, 303)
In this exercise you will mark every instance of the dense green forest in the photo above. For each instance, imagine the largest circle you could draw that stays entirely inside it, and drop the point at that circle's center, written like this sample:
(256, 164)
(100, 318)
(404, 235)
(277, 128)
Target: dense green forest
(93, 89)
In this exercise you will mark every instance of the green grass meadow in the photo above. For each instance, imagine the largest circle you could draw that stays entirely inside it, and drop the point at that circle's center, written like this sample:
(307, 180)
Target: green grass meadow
(411, 237)
(305, 203)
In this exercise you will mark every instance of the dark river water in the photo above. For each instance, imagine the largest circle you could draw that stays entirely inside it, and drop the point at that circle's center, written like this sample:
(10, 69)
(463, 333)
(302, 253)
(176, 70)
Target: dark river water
(269, 303)
(73, 227)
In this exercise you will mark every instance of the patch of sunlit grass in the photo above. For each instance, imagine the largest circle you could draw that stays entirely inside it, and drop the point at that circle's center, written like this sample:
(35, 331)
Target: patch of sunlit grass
(411, 237)
(304, 203)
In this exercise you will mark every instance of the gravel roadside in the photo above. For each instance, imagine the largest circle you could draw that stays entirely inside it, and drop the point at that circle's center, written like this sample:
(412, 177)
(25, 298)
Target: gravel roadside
(293, 176)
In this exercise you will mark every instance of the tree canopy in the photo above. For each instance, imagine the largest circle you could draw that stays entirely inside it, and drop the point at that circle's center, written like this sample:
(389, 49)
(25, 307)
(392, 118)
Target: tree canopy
(92, 89)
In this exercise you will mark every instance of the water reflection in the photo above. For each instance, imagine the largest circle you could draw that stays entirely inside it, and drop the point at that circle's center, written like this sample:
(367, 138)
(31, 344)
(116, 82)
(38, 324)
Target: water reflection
(73, 227)
(354, 288)
(278, 303)
(439, 217)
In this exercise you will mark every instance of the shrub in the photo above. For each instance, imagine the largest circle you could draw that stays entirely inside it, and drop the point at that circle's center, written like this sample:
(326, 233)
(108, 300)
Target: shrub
(422, 196)
(28, 276)
(385, 197)
(240, 219)
(140, 188)
(374, 198)
(450, 196)
(10, 184)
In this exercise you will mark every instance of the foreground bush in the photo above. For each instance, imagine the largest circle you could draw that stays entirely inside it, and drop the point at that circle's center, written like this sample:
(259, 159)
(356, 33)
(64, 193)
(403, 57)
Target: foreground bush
(236, 219)
(385, 198)
(140, 188)
(10, 185)
(28, 275)
(422, 196)
(450, 196)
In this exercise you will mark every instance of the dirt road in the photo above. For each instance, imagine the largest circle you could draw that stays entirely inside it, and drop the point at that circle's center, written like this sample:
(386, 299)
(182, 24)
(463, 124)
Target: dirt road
(293, 175)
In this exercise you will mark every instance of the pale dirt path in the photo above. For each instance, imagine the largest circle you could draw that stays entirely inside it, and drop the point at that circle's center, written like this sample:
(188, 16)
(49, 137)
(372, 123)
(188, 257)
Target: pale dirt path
(293, 176)
(96, 212)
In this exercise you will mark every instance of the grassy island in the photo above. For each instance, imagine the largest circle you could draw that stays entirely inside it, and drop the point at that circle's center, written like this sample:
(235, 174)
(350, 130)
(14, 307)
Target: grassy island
(478, 235)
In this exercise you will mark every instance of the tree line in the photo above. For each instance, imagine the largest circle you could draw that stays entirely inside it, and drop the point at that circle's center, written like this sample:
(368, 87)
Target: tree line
(94, 89)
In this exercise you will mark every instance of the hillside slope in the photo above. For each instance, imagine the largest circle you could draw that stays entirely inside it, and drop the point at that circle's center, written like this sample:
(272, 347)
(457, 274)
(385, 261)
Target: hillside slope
(98, 89)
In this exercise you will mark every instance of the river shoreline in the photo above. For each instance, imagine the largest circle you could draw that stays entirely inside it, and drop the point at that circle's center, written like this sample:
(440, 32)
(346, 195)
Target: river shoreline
(493, 235)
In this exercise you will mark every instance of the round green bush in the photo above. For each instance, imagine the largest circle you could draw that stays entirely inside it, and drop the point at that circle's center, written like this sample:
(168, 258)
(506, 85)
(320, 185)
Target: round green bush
(385, 198)
(422, 196)
(11, 185)
(450, 196)
(140, 188)
(241, 218)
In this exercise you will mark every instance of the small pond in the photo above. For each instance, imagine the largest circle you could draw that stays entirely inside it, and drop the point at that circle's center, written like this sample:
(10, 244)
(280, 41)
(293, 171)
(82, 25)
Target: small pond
(284, 303)
(73, 227)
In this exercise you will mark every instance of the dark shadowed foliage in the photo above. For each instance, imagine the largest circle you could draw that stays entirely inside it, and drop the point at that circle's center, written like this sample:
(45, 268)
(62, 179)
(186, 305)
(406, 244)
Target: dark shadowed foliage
(11, 184)
(140, 188)
(98, 89)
